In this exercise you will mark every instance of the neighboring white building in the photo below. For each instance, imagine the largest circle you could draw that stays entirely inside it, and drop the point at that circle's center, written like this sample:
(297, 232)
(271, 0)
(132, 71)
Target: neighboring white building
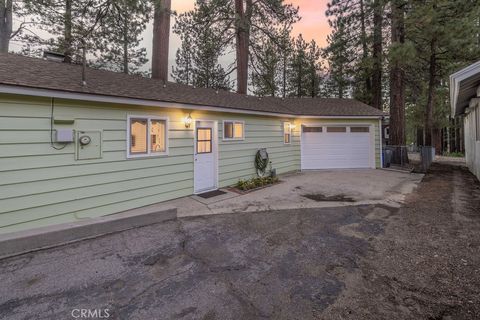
(465, 99)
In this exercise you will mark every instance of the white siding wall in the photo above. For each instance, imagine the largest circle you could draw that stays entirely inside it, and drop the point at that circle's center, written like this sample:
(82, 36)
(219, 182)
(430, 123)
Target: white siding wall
(472, 145)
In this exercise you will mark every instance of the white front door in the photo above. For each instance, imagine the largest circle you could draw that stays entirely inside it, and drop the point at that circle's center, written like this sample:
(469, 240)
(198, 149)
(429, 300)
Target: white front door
(205, 159)
(337, 146)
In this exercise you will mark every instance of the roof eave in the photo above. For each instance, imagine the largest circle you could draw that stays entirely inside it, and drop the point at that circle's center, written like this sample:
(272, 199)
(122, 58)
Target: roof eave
(455, 84)
(59, 94)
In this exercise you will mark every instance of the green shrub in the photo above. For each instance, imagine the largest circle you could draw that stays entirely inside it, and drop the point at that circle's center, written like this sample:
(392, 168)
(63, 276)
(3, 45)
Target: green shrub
(454, 154)
(256, 182)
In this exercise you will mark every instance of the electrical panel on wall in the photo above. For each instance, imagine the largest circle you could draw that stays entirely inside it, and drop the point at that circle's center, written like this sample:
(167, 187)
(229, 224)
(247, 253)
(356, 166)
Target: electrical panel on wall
(88, 144)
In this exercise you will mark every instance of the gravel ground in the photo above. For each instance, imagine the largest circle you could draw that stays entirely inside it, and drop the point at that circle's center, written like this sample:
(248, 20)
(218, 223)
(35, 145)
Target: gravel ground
(426, 264)
(420, 261)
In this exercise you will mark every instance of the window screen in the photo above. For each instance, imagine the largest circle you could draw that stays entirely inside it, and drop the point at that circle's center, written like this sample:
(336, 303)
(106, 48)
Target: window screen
(204, 140)
(359, 129)
(148, 136)
(157, 134)
(233, 130)
(312, 129)
(336, 129)
(138, 133)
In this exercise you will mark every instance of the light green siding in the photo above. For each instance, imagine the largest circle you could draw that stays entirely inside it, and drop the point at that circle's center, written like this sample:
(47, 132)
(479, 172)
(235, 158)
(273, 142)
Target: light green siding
(41, 186)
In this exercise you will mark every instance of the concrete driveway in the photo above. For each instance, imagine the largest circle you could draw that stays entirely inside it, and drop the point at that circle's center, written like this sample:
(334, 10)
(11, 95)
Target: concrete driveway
(419, 261)
(310, 189)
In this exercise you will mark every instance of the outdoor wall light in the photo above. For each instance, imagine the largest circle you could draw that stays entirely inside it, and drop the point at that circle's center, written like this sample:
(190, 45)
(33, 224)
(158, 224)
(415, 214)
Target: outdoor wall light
(188, 121)
(293, 126)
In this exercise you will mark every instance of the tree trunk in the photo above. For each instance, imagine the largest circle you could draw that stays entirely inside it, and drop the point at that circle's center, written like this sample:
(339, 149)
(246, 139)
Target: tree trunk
(431, 94)
(437, 140)
(420, 137)
(397, 80)
(125, 46)
(242, 35)
(161, 38)
(366, 71)
(6, 24)
(67, 32)
(377, 54)
(284, 77)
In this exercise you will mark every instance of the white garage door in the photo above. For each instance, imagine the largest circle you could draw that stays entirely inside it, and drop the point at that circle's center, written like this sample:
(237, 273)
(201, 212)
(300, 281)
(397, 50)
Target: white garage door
(331, 147)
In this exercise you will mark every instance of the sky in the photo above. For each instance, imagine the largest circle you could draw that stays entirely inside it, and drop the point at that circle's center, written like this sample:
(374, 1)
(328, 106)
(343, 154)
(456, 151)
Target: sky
(312, 25)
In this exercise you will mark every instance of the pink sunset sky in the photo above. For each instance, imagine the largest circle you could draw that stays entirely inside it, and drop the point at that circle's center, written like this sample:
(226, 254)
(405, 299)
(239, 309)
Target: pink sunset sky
(313, 25)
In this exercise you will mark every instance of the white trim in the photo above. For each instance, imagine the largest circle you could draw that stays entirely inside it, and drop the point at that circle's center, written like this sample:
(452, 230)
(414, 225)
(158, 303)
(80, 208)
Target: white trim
(455, 80)
(50, 93)
(380, 129)
(233, 139)
(324, 126)
(149, 154)
(215, 152)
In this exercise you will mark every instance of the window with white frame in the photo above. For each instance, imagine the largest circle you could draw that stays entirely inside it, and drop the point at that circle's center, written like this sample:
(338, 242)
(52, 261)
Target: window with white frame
(233, 130)
(287, 132)
(147, 136)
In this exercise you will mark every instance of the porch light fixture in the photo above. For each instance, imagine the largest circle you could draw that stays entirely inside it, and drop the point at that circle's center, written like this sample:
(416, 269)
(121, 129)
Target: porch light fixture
(188, 121)
(292, 126)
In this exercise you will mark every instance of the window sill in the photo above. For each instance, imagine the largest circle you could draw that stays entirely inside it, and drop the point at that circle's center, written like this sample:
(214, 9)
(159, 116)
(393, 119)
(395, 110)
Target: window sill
(147, 156)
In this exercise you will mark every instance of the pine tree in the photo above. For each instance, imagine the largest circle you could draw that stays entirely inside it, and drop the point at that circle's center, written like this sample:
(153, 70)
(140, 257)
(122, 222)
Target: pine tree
(71, 25)
(202, 46)
(356, 20)
(121, 29)
(438, 29)
(182, 71)
(299, 69)
(266, 71)
(313, 69)
(244, 23)
(338, 54)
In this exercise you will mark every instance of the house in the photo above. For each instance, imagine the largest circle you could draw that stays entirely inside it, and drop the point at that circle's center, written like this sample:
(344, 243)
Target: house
(465, 101)
(71, 150)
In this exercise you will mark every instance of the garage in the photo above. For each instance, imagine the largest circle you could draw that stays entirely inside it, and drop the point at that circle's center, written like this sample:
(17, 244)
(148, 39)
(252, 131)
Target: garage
(337, 147)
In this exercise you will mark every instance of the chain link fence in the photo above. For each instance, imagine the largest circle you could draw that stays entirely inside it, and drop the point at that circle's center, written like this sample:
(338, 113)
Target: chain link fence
(408, 158)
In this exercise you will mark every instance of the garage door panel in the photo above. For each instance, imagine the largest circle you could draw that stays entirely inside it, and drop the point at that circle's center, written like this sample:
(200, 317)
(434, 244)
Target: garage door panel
(331, 150)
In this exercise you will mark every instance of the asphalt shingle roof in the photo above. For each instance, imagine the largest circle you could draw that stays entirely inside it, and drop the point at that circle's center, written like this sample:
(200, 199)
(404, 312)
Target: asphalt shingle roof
(17, 70)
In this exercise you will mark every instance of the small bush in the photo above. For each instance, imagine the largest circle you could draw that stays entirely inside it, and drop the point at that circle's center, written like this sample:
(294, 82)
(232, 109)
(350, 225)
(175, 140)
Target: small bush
(454, 154)
(256, 182)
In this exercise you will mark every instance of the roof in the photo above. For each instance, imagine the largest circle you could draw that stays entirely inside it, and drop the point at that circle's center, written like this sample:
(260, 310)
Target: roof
(463, 87)
(25, 72)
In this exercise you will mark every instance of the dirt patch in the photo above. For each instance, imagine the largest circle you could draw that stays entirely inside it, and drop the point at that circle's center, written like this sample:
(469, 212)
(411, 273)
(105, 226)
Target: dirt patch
(321, 198)
(425, 264)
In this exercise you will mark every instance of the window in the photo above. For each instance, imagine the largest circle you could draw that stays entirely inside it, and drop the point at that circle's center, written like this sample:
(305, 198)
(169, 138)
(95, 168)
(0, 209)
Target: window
(204, 140)
(287, 132)
(359, 129)
(147, 136)
(312, 129)
(336, 129)
(233, 130)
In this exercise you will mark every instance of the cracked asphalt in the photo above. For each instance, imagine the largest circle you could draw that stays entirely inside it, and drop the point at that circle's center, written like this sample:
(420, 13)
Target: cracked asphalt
(420, 261)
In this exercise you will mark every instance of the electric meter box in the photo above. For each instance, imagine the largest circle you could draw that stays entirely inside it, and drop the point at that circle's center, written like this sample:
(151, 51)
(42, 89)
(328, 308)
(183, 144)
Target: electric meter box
(88, 144)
